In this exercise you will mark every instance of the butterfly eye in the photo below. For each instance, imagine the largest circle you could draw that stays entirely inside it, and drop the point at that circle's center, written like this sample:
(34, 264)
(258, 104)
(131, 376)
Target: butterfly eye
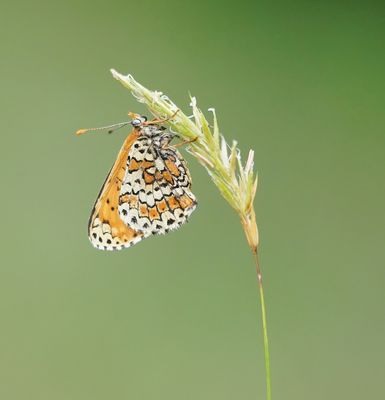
(136, 122)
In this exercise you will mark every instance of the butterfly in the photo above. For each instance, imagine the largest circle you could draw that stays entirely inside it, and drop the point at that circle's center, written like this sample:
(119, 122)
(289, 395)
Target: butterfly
(147, 191)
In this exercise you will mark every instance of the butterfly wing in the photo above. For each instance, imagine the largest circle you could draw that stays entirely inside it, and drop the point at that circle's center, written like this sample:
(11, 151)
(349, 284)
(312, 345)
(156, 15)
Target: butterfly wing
(155, 196)
(106, 229)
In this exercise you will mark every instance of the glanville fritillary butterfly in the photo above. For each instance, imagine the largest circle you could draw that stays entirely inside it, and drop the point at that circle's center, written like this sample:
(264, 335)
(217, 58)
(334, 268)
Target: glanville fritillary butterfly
(148, 190)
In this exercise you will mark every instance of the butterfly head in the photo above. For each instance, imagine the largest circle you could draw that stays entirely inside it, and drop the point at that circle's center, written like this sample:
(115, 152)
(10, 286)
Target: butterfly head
(137, 120)
(147, 128)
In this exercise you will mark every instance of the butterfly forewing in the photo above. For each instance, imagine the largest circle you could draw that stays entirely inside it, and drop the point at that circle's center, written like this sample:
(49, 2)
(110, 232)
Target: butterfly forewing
(106, 229)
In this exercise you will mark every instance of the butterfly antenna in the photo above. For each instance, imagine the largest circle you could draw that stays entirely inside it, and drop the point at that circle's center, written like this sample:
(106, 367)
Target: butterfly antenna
(111, 128)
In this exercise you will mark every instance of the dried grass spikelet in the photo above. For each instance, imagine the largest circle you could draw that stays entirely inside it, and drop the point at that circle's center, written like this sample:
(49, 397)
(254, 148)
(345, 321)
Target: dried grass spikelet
(236, 181)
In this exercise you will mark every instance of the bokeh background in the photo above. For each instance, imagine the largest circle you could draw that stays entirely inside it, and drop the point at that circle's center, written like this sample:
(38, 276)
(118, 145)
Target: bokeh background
(177, 317)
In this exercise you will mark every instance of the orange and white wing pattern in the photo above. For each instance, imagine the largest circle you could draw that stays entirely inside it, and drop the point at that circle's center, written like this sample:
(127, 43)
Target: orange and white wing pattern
(155, 196)
(106, 230)
(147, 192)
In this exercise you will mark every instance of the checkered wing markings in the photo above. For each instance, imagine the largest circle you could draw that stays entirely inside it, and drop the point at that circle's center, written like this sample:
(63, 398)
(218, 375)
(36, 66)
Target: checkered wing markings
(106, 229)
(155, 195)
(175, 185)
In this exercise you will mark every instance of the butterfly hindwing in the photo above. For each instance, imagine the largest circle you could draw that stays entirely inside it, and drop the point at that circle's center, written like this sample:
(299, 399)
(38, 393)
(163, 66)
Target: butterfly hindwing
(156, 195)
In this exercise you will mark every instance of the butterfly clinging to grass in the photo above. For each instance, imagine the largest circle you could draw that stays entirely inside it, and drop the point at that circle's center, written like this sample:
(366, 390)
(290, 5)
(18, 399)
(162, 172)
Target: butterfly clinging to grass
(148, 190)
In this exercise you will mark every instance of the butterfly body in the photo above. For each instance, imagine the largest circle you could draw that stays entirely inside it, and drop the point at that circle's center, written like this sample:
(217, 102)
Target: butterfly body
(147, 192)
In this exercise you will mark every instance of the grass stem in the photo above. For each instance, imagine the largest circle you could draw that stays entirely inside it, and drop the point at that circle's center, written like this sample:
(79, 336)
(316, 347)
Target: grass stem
(235, 180)
(264, 326)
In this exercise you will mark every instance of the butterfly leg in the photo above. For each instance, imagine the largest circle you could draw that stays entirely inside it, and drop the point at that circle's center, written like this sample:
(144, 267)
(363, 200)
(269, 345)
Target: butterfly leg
(184, 142)
(157, 121)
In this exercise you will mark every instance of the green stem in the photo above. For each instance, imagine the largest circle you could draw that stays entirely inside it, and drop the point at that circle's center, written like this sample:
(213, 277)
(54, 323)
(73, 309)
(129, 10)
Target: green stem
(264, 325)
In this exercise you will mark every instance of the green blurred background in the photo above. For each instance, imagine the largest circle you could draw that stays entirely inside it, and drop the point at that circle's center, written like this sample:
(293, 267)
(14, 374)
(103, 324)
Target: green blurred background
(177, 317)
